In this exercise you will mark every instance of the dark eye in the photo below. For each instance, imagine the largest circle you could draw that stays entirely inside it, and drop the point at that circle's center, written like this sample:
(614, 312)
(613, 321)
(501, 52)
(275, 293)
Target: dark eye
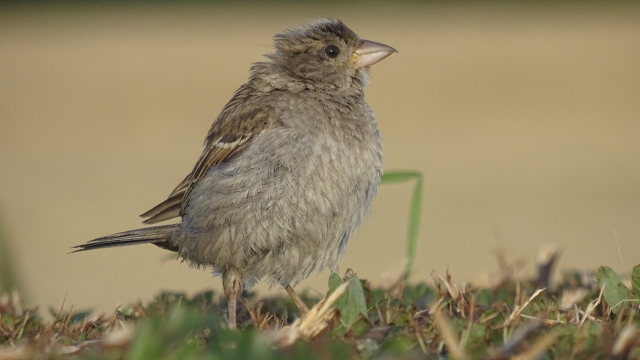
(332, 51)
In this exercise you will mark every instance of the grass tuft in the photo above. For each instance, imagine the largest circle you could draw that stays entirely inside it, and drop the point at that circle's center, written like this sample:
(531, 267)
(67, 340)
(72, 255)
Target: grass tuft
(502, 318)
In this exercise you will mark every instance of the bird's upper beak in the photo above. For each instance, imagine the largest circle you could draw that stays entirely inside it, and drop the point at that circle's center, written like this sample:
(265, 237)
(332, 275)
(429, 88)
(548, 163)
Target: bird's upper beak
(370, 52)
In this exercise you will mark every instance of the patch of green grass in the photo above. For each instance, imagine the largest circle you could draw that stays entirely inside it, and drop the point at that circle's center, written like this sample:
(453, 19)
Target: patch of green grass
(439, 320)
(8, 281)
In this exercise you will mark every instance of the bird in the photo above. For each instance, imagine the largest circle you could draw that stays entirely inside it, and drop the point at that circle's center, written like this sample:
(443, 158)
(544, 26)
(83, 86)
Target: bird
(289, 168)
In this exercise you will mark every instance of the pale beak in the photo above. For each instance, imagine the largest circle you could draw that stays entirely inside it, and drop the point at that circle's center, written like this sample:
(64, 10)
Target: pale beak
(370, 52)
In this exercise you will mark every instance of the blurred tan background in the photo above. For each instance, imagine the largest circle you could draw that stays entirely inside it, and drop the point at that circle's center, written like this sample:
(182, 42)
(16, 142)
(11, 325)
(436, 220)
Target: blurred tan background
(524, 120)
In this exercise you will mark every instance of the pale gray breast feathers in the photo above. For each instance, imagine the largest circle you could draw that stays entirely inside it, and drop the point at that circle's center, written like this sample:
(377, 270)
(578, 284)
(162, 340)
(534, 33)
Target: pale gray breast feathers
(292, 196)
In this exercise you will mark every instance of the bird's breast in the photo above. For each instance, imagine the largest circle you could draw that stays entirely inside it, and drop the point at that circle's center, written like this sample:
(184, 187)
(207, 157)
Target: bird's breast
(302, 184)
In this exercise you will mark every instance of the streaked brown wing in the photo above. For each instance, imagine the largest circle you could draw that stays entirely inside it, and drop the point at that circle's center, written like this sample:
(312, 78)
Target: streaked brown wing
(242, 119)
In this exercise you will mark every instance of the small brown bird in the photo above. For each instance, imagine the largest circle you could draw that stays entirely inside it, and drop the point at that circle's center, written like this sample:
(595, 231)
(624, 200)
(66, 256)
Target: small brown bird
(289, 167)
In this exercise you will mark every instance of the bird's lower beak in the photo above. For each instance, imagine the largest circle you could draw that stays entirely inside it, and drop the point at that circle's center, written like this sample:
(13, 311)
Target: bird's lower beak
(370, 52)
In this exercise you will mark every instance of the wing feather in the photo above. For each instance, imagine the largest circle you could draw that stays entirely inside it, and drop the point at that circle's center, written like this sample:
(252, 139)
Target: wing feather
(241, 120)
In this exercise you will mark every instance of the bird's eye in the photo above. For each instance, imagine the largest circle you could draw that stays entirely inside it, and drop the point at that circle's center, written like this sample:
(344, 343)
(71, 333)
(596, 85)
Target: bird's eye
(332, 51)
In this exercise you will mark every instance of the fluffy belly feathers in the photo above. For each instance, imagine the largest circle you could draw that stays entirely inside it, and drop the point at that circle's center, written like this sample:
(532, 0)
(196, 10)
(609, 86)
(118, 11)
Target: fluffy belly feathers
(276, 216)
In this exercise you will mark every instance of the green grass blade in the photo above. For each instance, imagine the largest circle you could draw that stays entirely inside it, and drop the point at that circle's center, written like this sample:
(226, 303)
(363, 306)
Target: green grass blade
(7, 272)
(635, 282)
(352, 303)
(399, 176)
(416, 209)
(615, 293)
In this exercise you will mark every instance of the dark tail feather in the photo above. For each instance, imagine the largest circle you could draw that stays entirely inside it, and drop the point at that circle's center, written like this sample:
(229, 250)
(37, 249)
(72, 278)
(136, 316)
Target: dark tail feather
(157, 235)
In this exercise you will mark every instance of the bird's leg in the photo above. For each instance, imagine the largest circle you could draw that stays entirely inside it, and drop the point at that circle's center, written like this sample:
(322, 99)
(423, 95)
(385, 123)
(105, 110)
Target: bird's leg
(232, 285)
(296, 299)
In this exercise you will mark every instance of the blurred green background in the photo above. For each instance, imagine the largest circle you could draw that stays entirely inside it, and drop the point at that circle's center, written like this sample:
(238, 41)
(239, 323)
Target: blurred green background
(524, 119)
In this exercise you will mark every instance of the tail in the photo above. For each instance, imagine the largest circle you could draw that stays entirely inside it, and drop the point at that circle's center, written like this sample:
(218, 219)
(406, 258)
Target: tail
(157, 235)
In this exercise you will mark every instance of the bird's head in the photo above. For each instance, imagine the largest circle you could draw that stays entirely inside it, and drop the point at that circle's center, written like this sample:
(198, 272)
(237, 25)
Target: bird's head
(327, 52)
